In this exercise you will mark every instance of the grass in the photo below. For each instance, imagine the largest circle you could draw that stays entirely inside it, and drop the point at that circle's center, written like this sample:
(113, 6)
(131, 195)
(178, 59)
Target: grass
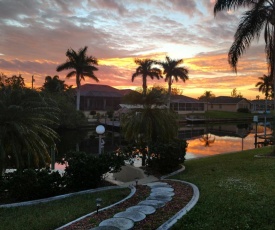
(236, 191)
(227, 115)
(57, 213)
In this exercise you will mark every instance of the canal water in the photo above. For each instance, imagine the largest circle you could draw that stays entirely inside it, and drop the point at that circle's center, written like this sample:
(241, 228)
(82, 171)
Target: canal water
(203, 139)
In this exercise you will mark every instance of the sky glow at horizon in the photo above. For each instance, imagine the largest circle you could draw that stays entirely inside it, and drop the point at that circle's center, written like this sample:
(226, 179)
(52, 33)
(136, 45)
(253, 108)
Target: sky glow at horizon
(36, 34)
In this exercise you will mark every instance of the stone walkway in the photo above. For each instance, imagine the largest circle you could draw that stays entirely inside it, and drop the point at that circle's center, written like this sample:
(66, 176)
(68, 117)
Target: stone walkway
(161, 193)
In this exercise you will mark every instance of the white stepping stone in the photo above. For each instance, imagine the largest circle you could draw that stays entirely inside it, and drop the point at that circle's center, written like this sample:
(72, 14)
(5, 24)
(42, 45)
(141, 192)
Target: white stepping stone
(121, 223)
(105, 228)
(162, 190)
(132, 215)
(146, 209)
(162, 193)
(157, 184)
(154, 203)
(160, 198)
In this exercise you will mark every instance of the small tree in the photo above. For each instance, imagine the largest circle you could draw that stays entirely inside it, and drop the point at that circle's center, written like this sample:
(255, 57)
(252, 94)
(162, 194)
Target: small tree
(235, 93)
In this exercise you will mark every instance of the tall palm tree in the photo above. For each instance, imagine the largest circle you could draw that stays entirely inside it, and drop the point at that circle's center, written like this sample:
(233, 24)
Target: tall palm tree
(82, 66)
(260, 16)
(173, 71)
(146, 69)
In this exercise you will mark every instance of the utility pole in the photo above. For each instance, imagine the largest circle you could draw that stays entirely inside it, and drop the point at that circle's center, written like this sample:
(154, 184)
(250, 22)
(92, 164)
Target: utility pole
(33, 80)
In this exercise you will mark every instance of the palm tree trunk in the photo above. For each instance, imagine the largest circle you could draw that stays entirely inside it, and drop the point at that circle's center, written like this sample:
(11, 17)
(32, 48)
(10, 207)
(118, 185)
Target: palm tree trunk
(144, 85)
(169, 92)
(2, 160)
(78, 99)
(273, 68)
(78, 92)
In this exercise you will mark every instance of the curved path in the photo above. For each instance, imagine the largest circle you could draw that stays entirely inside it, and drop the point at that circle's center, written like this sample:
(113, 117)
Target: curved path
(161, 193)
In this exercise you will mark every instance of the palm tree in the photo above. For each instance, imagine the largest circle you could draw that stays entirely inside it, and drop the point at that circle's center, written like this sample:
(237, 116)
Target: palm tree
(152, 122)
(260, 16)
(206, 97)
(82, 65)
(26, 128)
(144, 70)
(173, 71)
(54, 84)
(265, 85)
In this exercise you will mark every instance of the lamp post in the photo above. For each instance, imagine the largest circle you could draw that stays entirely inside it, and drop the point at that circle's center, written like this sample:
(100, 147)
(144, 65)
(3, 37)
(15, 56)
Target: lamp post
(100, 129)
(98, 204)
(255, 119)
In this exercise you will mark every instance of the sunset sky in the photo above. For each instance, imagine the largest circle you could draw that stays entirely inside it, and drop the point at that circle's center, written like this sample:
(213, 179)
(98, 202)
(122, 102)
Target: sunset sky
(35, 35)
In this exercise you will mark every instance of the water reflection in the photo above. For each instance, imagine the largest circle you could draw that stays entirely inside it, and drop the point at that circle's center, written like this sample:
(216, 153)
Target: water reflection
(203, 140)
(207, 139)
(227, 138)
(223, 144)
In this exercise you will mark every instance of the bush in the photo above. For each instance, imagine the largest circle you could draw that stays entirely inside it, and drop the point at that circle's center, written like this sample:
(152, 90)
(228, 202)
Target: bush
(92, 112)
(243, 110)
(167, 157)
(86, 171)
(31, 184)
(110, 113)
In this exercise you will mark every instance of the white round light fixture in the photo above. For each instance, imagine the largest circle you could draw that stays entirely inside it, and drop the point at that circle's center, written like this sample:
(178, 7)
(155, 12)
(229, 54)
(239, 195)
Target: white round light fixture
(100, 129)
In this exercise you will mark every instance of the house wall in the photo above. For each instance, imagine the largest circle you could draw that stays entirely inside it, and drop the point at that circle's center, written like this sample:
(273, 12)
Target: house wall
(229, 107)
(223, 107)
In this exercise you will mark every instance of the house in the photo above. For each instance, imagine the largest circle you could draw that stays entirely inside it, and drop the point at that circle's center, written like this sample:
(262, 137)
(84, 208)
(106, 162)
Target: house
(102, 98)
(183, 104)
(231, 104)
(259, 105)
(99, 97)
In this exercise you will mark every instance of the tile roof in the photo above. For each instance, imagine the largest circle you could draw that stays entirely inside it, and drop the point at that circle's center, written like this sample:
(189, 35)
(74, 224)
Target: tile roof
(183, 99)
(95, 90)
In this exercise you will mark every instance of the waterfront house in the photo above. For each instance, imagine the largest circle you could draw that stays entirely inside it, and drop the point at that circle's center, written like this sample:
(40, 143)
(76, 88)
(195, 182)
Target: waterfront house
(231, 104)
(99, 97)
(184, 105)
(259, 105)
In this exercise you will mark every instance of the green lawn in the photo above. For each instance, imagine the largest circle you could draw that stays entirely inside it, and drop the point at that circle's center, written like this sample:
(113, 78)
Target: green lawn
(227, 115)
(237, 191)
(56, 213)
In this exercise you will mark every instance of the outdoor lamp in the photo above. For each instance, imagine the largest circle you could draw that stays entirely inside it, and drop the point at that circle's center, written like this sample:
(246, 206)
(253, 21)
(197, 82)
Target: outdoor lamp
(136, 181)
(255, 119)
(100, 129)
(98, 204)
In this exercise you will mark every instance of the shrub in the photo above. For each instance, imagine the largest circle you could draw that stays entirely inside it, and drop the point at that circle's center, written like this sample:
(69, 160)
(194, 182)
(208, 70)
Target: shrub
(31, 184)
(92, 112)
(166, 157)
(85, 171)
(110, 113)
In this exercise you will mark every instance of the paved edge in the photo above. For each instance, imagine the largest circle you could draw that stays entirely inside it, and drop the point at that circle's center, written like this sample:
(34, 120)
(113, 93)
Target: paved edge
(173, 173)
(133, 191)
(196, 194)
(33, 202)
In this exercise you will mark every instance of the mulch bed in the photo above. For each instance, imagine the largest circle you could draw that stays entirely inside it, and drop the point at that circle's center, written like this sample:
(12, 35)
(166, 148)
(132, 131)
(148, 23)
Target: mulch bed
(183, 194)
